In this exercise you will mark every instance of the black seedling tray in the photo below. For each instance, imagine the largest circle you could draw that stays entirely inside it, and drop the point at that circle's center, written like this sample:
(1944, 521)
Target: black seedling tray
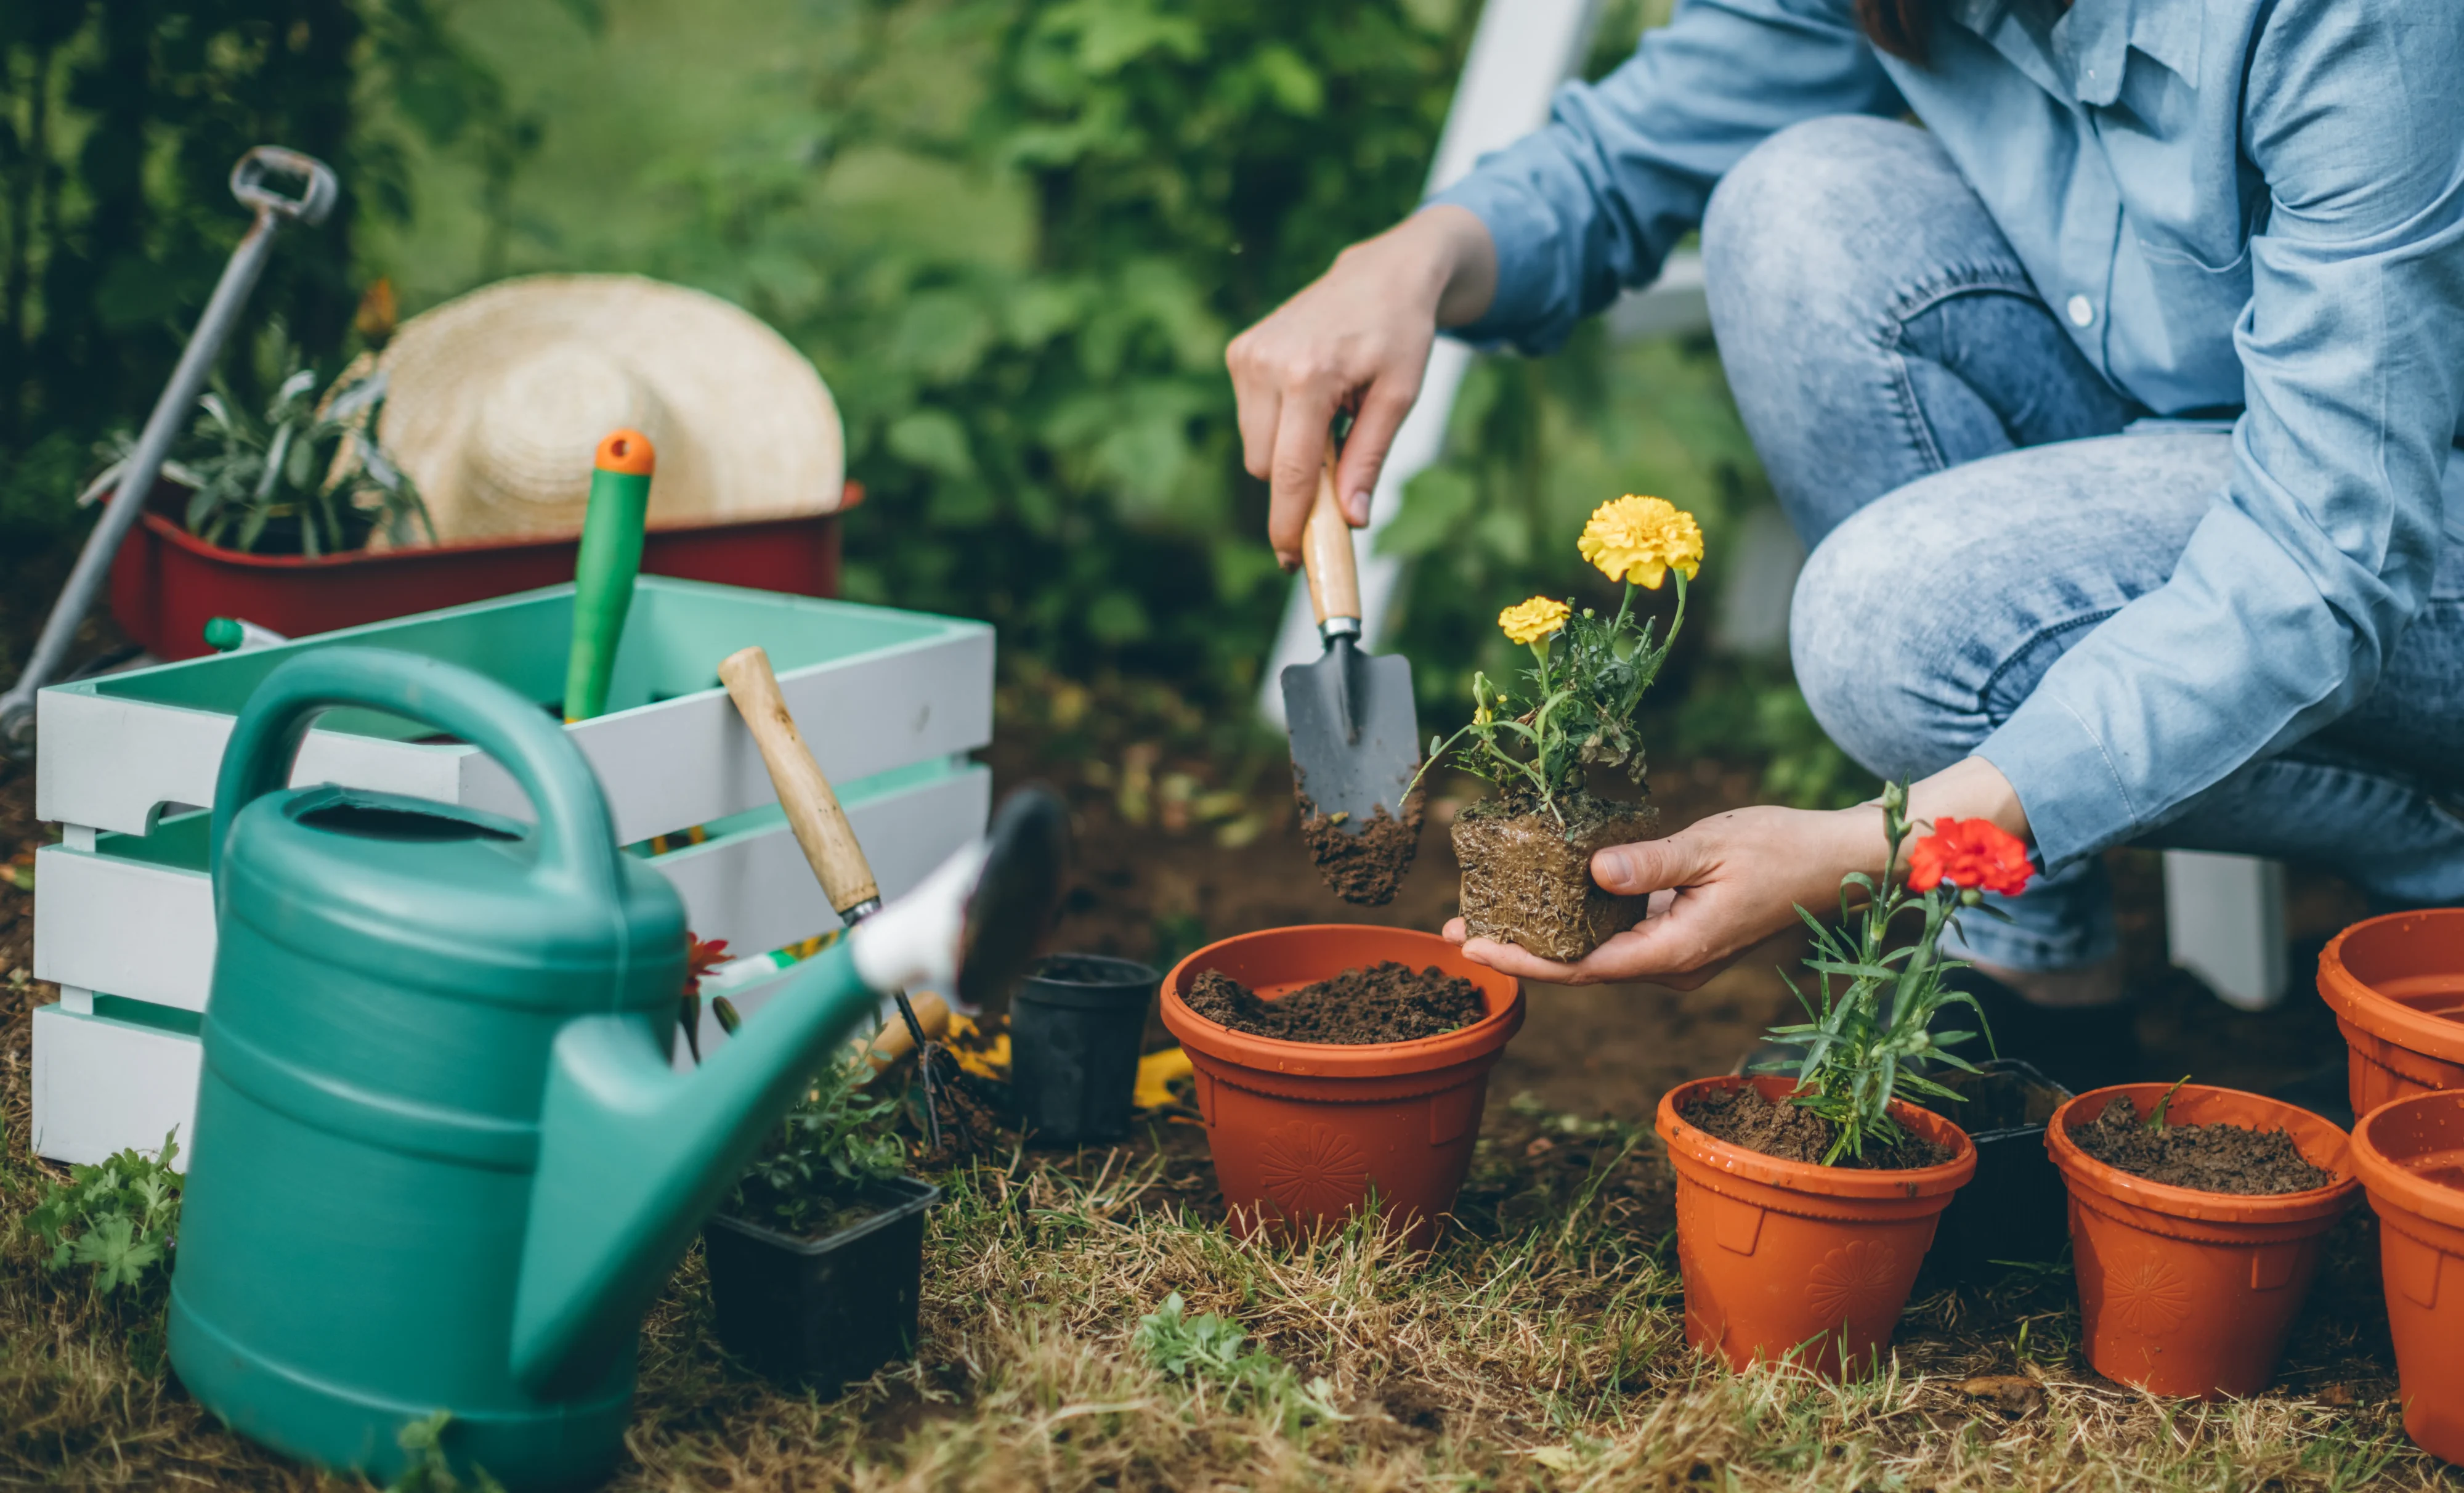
(2016, 1208)
(822, 1312)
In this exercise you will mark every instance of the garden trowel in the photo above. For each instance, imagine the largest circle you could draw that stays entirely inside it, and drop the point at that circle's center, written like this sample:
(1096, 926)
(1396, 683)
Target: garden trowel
(820, 825)
(1356, 735)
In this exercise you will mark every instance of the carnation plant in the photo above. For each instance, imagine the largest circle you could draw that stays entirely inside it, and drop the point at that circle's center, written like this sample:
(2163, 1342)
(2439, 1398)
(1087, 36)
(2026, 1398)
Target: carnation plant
(1535, 736)
(1873, 1006)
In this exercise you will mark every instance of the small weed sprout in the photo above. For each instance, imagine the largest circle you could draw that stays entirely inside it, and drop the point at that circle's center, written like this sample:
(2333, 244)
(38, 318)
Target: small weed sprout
(1536, 737)
(1213, 1348)
(115, 1218)
(425, 1466)
(1865, 1036)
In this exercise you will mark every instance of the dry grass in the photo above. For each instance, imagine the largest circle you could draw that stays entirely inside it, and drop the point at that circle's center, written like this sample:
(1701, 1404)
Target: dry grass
(1540, 1348)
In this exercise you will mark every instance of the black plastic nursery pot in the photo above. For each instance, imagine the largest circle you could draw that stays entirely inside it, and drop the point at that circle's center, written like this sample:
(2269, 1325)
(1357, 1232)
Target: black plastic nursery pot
(2015, 1210)
(822, 1312)
(1076, 1022)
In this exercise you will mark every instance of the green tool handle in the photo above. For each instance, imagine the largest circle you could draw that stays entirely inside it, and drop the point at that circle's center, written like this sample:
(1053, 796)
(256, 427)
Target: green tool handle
(602, 575)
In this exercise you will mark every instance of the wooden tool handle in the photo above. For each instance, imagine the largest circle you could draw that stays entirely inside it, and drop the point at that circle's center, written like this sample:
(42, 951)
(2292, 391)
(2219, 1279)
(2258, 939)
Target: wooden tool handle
(813, 811)
(1326, 552)
(932, 1013)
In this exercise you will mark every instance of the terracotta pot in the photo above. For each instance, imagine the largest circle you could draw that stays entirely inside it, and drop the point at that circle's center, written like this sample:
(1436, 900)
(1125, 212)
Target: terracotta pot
(1789, 1259)
(1303, 1134)
(2396, 984)
(2410, 1157)
(2186, 1292)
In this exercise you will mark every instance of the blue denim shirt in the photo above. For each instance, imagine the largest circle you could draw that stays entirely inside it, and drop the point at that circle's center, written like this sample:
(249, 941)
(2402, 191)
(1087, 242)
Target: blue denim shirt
(2252, 206)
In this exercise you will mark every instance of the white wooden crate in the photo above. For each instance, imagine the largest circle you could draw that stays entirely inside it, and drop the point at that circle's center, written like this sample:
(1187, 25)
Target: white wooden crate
(124, 911)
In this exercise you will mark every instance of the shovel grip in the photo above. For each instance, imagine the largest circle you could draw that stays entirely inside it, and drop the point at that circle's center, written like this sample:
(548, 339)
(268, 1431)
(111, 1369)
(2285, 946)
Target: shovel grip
(1326, 555)
(820, 826)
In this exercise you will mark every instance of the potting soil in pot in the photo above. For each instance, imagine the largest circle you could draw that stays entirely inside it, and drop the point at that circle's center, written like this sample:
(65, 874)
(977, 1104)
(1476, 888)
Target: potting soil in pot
(2212, 1158)
(1386, 1002)
(1741, 1116)
(1362, 864)
(1527, 879)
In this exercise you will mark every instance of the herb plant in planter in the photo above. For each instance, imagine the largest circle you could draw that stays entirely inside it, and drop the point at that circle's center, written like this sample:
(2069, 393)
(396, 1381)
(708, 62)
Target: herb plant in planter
(816, 1259)
(1805, 1204)
(1526, 852)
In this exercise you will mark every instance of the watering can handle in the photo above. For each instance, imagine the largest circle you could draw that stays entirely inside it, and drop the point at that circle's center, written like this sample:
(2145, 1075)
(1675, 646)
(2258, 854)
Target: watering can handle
(576, 839)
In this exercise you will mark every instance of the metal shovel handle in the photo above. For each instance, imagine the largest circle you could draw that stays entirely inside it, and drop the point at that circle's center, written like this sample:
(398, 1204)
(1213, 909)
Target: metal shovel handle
(170, 411)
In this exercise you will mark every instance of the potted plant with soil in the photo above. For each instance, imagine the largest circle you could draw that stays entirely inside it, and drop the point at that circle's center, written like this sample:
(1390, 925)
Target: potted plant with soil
(1526, 852)
(2196, 1215)
(1805, 1204)
(817, 1259)
(1340, 1069)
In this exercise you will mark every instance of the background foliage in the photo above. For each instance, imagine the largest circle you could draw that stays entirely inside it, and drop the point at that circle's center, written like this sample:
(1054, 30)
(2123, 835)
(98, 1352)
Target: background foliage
(1014, 234)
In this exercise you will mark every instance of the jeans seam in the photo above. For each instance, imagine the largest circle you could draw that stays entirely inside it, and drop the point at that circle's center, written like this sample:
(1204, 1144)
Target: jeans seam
(1985, 689)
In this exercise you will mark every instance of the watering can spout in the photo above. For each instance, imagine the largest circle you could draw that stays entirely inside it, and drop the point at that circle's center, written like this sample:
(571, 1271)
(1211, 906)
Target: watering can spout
(634, 1155)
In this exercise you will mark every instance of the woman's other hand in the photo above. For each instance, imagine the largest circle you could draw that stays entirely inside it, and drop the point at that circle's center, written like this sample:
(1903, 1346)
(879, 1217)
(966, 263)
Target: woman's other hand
(1722, 884)
(1357, 338)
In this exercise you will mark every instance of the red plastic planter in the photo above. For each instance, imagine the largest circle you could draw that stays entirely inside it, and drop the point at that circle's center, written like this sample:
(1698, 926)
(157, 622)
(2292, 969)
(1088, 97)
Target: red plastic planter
(2396, 984)
(2410, 1157)
(1785, 1259)
(167, 584)
(2185, 1292)
(1303, 1134)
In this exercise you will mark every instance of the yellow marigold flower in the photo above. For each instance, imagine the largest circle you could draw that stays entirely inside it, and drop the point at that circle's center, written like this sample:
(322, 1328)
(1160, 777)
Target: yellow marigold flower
(1533, 620)
(1641, 540)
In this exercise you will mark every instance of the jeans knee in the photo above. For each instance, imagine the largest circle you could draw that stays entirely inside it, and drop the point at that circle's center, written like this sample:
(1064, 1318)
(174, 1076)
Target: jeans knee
(1788, 225)
(1876, 669)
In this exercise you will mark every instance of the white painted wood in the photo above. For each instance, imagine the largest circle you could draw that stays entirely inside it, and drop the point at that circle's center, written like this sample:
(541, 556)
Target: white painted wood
(147, 932)
(2224, 922)
(1673, 305)
(111, 762)
(1520, 52)
(102, 1086)
(1757, 585)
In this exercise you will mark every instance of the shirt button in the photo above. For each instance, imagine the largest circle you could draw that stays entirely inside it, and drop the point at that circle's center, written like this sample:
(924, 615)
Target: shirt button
(2080, 311)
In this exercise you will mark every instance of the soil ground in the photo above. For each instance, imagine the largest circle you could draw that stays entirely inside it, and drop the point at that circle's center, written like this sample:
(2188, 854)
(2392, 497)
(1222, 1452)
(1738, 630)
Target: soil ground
(1541, 1347)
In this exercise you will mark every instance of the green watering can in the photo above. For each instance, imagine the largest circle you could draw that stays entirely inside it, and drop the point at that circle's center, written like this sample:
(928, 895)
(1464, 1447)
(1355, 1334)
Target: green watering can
(441, 1159)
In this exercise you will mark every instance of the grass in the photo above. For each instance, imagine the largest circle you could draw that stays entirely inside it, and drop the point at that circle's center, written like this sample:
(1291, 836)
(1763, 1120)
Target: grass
(1541, 1347)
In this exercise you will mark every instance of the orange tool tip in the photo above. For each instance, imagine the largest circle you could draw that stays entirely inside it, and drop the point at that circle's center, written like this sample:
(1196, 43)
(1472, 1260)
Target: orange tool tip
(625, 451)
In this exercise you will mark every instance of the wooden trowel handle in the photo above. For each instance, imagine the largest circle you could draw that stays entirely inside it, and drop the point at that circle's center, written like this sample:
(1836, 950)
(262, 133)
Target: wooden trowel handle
(813, 811)
(1326, 552)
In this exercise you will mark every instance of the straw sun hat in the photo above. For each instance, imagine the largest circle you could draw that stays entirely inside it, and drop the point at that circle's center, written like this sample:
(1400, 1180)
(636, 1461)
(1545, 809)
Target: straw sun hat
(495, 401)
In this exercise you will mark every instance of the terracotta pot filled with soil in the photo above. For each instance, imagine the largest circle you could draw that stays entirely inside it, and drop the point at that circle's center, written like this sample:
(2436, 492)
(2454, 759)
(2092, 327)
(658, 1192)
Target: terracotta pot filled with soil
(1338, 1065)
(1527, 879)
(2396, 984)
(2195, 1240)
(1787, 1258)
(2410, 1155)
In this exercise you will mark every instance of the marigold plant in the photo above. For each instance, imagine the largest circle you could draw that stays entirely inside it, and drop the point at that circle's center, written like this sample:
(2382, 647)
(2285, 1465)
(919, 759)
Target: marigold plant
(1866, 1040)
(1534, 737)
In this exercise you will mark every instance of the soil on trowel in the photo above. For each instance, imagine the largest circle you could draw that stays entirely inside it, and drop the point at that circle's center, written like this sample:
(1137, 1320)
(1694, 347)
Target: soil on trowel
(1741, 1116)
(1386, 1002)
(971, 1109)
(1362, 864)
(1527, 879)
(2212, 1158)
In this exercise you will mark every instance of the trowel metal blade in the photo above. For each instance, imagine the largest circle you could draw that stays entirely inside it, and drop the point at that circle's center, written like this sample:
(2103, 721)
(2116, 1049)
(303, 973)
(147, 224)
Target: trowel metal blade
(1356, 735)
(1017, 894)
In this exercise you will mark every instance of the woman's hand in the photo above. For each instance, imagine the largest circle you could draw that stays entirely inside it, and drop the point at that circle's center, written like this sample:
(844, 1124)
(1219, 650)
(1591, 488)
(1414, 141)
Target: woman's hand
(1357, 338)
(1724, 884)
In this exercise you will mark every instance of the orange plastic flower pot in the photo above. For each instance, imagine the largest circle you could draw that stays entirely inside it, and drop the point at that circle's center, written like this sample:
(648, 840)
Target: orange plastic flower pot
(2396, 984)
(1304, 1134)
(1785, 1259)
(2186, 1292)
(2410, 1157)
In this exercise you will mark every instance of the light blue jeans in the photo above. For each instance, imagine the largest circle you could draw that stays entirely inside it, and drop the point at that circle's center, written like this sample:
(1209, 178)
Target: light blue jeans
(1976, 497)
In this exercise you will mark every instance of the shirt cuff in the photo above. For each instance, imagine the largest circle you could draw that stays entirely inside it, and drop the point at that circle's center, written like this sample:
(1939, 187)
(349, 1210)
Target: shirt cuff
(1529, 311)
(2076, 802)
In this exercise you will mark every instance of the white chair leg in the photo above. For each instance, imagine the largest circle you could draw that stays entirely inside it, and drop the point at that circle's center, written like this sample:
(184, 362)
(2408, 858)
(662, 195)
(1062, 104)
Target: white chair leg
(2224, 922)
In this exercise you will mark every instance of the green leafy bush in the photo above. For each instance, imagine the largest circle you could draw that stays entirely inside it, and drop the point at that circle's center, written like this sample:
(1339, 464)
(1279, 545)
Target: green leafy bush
(116, 1219)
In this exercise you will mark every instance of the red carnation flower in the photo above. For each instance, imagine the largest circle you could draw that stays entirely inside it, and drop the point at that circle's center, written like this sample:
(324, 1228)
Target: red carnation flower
(703, 955)
(1973, 854)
